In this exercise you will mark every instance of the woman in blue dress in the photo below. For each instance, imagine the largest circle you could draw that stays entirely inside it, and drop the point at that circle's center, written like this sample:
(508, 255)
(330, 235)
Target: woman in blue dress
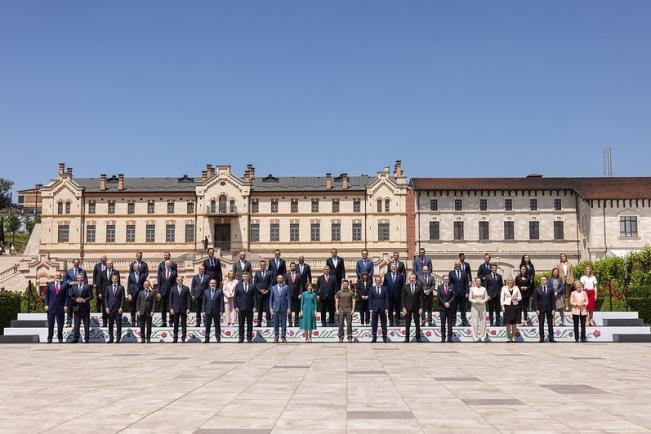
(308, 312)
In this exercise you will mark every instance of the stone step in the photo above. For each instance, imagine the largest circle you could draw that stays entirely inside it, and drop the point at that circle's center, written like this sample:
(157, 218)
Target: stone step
(29, 323)
(20, 339)
(632, 337)
(623, 322)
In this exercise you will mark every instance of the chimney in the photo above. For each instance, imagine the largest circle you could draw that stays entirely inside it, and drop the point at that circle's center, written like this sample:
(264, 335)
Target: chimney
(69, 172)
(204, 175)
(102, 182)
(345, 182)
(209, 170)
(328, 181)
(397, 169)
(120, 181)
(62, 169)
(252, 172)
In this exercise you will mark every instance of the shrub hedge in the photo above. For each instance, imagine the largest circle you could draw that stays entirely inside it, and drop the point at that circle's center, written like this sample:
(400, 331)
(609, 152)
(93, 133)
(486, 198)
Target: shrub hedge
(9, 308)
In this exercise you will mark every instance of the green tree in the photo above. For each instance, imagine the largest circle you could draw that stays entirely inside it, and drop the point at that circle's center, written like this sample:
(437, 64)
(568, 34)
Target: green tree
(30, 222)
(2, 229)
(5, 193)
(13, 223)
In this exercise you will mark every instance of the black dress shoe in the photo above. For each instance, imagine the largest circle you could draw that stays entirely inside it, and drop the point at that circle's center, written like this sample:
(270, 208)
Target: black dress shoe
(418, 340)
(450, 341)
(110, 341)
(174, 341)
(552, 340)
(406, 340)
(206, 341)
(241, 341)
(74, 342)
(442, 341)
(183, 340)
(148, 340)
(374, 340)
(219, 340)
(541, 340)
(49, 341)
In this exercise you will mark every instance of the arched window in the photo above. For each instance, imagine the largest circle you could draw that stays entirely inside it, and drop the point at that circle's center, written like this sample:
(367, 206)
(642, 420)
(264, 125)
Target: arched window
(231, 206)
(387, 205)
(68, 207)
(60, 208)
(213, 206)
(379, 205)
(222, 204)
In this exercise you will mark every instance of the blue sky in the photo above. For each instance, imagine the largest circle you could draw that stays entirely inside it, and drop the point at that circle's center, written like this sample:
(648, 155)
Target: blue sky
(500, 88)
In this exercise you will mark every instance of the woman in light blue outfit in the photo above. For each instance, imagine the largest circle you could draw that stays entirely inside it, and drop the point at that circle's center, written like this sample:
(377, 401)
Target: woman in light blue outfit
(308, 312)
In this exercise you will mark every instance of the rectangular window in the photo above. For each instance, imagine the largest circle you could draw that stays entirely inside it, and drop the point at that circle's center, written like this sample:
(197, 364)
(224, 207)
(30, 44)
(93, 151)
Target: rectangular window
(90, 233)
(458, 204)
(483, 204)
(627, 226)
(189, 233)
(170, 233)
(533, 204)
(483, 231)
(151, 207)
(335, 206)
(315, 232)
(559, 230)
(509, 230)
(131, 208)
(110, 233)
(190, 207)
(294, 206)
(357, 232)
(383, 232)
(336, 232)
(315, 205)
(150, 233)
(255, 206)
(274, 206)
(91, 207)
(534, 230)
(294, 232)
(67, 207)
(434, 230)
(131, 233)
(508, 204)
(63, 235)
(357, 205)
(458, 230)
(111, 207)
(557, 205)
(254, 233)
(274, 232)
(434, 205)
(170, 207)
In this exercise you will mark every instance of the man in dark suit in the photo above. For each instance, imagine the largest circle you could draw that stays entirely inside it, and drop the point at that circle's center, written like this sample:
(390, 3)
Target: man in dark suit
(279, 301)
(362, 290)
(198, 287)
(493, 284)
(71, 277)
(465, 267)
(379, 305)
(99, 269)
(364, 265)
(426, 281)
(277, 265)
(337, 268)
(447, 308)
(104, 279)
(163, 264)
(393, 282)
(546, 305)
(213, 306)
(484, 269)
(459, 280)
(305, 271)
(99, 272)
(245, 306)
(56, 305)
(241, 266)
(114, 299)
(180, 301)
(293, 280)
(135, 283)
(213, 266)
(166, 280)
(145, 310)
(421, 261)
(326, 288)
(412, 305)
(263, 280)
(144, 268)
(400, 266)
(81, 294)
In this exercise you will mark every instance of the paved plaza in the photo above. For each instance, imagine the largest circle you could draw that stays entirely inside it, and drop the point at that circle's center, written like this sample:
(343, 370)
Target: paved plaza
(330, 388)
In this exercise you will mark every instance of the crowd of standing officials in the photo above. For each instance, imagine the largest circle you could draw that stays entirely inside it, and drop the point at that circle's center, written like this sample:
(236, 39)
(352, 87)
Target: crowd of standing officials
(285, 295)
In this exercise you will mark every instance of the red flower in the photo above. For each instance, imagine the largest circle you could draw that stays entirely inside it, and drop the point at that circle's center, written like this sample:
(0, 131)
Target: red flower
(164, 334)
(596, 333)
(493, 332)
(227, 332)
(428, 333)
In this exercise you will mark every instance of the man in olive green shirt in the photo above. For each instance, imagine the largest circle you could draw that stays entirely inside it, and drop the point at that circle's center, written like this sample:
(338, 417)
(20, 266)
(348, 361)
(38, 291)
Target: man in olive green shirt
(345, 306)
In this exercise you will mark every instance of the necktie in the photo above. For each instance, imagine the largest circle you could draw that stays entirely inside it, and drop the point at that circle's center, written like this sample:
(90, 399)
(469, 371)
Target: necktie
(326, 277)
(137, 277)
(493, 276)
(115, 288)
(201, 277)
(212, 293)
(458, 275)
(179, 289)
(293, 277)
(246, 287)
(412, 289)
(167, 273)
(56, 287)
(212, 262)
(393, 277)
(445, 290)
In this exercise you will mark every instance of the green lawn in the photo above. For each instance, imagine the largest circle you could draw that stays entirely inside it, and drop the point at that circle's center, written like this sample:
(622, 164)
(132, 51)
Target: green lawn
(20, 241)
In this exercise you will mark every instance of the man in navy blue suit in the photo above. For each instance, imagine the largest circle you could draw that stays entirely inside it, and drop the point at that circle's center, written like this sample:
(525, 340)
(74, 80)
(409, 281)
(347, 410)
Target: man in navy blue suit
(447, 308)
(364, 265)
(421, 261)
(394, 282)
(263, 281)
(56, 300)
(71, 277)
(280, 301)
(166, 280)
(81, 294)
(277, 265)
(245, 306)
(379, 305)
(362, 290)
(114, 299)
(484, 269)
(458, 278)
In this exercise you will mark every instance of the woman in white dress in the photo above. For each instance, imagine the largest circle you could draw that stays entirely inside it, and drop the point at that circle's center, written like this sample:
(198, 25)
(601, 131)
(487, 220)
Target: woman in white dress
(229, 298)
(478, 296)
(510, 300)
(589, 282)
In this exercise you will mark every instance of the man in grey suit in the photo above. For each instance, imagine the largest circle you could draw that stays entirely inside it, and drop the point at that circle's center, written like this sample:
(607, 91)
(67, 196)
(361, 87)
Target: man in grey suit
(213, 306)
(426, 282)
(279, 301)
(145, 311)
(241, 265)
